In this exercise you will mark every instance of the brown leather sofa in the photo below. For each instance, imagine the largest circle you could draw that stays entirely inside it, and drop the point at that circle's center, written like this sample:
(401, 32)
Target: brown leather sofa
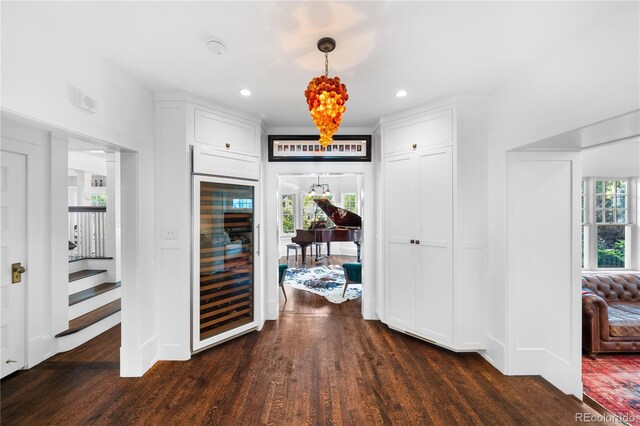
(611, 313)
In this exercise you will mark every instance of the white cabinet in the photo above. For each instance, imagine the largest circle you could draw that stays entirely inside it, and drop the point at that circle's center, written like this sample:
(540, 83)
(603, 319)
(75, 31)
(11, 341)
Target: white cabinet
(419, 132)
(191, 137)
(433, 249)
(400, 269)
(226, 133)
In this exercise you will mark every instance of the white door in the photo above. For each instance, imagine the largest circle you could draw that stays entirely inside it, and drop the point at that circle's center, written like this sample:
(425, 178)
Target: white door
(434, 286)
(401, 214)
(13, 249)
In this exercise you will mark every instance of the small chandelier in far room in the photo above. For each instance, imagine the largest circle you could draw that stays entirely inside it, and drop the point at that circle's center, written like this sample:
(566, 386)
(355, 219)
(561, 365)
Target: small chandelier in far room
(324, 187)
(326, 97)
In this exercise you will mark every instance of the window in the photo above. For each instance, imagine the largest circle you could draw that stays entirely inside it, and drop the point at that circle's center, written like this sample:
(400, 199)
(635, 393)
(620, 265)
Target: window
(311, 211)
(288, 214)
(349, 202)
(607, 219)
(98, 200)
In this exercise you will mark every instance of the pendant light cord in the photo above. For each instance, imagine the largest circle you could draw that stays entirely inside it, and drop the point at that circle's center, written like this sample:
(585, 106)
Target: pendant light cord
(326, 73)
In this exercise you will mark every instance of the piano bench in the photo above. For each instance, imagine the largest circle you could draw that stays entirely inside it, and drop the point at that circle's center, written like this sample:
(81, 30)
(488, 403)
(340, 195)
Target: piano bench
(295, 247)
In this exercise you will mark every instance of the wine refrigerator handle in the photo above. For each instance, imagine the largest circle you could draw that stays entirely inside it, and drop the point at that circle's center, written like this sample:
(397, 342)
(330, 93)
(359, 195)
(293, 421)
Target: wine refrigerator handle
(258, 238)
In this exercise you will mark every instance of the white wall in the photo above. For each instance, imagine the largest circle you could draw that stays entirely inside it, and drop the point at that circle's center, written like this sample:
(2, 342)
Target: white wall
(38, 65)
(591, 78)
(544, 304)
(620, 159)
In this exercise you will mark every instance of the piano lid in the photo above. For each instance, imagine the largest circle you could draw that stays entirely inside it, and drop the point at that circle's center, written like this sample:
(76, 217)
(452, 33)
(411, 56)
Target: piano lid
(339, 216)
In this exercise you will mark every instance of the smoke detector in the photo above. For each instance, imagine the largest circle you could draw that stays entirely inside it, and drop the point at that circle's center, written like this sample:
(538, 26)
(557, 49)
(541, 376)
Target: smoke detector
(216, 47)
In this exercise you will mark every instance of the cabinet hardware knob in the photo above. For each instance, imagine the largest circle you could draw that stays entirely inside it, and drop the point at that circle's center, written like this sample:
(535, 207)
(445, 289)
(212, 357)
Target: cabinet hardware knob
(415, 145)
(412, 241)
(228, 145)
(417, 241)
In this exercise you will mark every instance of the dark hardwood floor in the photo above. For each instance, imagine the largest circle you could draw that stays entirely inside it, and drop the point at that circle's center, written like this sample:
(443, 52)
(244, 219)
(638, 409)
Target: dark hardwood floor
(320, 364)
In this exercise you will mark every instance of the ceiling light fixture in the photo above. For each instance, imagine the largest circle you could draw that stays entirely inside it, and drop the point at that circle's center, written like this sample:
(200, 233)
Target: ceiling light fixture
(401, 93)
(245, 92)
(326, 97)
(324, 187)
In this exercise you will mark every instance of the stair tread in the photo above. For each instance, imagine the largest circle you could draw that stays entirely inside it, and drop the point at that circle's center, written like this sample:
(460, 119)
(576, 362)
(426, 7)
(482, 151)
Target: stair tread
(75, 276)
(78, 258)
(91, 318)
(83, 295)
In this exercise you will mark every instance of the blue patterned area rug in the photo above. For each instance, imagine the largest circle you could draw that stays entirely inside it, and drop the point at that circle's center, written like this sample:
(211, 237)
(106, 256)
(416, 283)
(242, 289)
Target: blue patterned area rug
(324, 281)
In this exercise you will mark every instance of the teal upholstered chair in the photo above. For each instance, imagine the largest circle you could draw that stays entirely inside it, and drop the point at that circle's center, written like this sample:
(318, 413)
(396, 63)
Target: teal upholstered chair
(282, 272)
(352, 274)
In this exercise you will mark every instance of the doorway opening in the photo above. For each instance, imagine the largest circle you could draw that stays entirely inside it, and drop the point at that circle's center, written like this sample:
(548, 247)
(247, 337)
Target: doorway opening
(94, 254)
(319, 236)
(610, 277)
(73, 258)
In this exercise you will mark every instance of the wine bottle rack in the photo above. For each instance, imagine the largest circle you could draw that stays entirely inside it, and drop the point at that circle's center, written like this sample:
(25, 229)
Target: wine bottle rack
(226, 292)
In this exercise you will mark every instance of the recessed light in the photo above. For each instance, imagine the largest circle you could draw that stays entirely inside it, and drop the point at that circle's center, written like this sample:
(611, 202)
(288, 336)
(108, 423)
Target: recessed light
(401, 93)
(245, 92)
(216, 47)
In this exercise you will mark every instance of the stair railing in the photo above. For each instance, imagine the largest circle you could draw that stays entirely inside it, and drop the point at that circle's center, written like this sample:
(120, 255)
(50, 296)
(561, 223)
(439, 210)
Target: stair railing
(87, 231)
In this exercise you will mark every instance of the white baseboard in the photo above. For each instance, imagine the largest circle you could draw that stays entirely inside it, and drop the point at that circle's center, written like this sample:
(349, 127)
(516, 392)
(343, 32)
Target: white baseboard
(148, 354)
(369, 309)
(174, 352)
(495, 354)
(39, 349)
(272, 309)
(558, 371)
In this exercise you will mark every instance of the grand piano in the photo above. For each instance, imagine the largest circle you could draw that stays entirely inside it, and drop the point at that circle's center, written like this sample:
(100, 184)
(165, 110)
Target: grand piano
(347, 228)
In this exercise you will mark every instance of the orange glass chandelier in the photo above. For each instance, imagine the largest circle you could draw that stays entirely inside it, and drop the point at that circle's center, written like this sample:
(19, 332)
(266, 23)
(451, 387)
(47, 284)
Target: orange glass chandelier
(326, 97)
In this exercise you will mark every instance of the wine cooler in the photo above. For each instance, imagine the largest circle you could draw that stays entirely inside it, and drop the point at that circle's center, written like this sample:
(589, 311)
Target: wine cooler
(224, 256)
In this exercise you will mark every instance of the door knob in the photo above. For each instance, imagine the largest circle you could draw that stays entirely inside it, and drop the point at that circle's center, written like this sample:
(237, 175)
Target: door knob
(414, 146)
(417, 241)
(412, 241)
(16, 272)
(228, 145)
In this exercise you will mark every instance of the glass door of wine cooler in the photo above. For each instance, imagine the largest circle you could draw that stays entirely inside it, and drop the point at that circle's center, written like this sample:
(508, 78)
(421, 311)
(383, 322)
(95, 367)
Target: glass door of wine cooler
(224, 256)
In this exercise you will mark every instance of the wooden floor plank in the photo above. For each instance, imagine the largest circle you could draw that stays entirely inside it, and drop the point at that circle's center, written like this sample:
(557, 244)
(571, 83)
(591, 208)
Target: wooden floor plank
(319, 363)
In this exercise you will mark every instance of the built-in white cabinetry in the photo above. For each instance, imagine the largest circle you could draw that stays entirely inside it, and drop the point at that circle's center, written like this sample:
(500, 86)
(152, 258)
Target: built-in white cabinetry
(226, 133)
(434, 167)
(207, 200)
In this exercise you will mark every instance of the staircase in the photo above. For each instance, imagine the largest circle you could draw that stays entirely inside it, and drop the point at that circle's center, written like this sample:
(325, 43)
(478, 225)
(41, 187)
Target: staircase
(94, 302)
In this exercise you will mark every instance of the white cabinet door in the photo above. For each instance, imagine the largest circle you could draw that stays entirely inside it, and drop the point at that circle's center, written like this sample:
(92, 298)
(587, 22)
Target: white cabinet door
(425, 131)
(221, 132)
(434, 284)
(400, 214)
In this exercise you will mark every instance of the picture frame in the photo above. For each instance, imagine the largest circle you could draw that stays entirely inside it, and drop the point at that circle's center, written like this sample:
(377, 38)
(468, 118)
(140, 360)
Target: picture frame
(295, 148)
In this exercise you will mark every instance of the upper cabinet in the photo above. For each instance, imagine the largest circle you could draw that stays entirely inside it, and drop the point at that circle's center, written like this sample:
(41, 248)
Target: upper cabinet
(434, 238)
(420, 131)
(226, 133)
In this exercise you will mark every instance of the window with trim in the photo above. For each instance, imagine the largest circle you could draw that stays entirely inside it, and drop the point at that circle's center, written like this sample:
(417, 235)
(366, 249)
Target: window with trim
(311, 211)
(288, 213)
(349, 202)
(607, 218)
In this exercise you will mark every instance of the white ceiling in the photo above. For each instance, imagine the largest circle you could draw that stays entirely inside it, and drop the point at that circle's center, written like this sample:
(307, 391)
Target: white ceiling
(431, 49)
